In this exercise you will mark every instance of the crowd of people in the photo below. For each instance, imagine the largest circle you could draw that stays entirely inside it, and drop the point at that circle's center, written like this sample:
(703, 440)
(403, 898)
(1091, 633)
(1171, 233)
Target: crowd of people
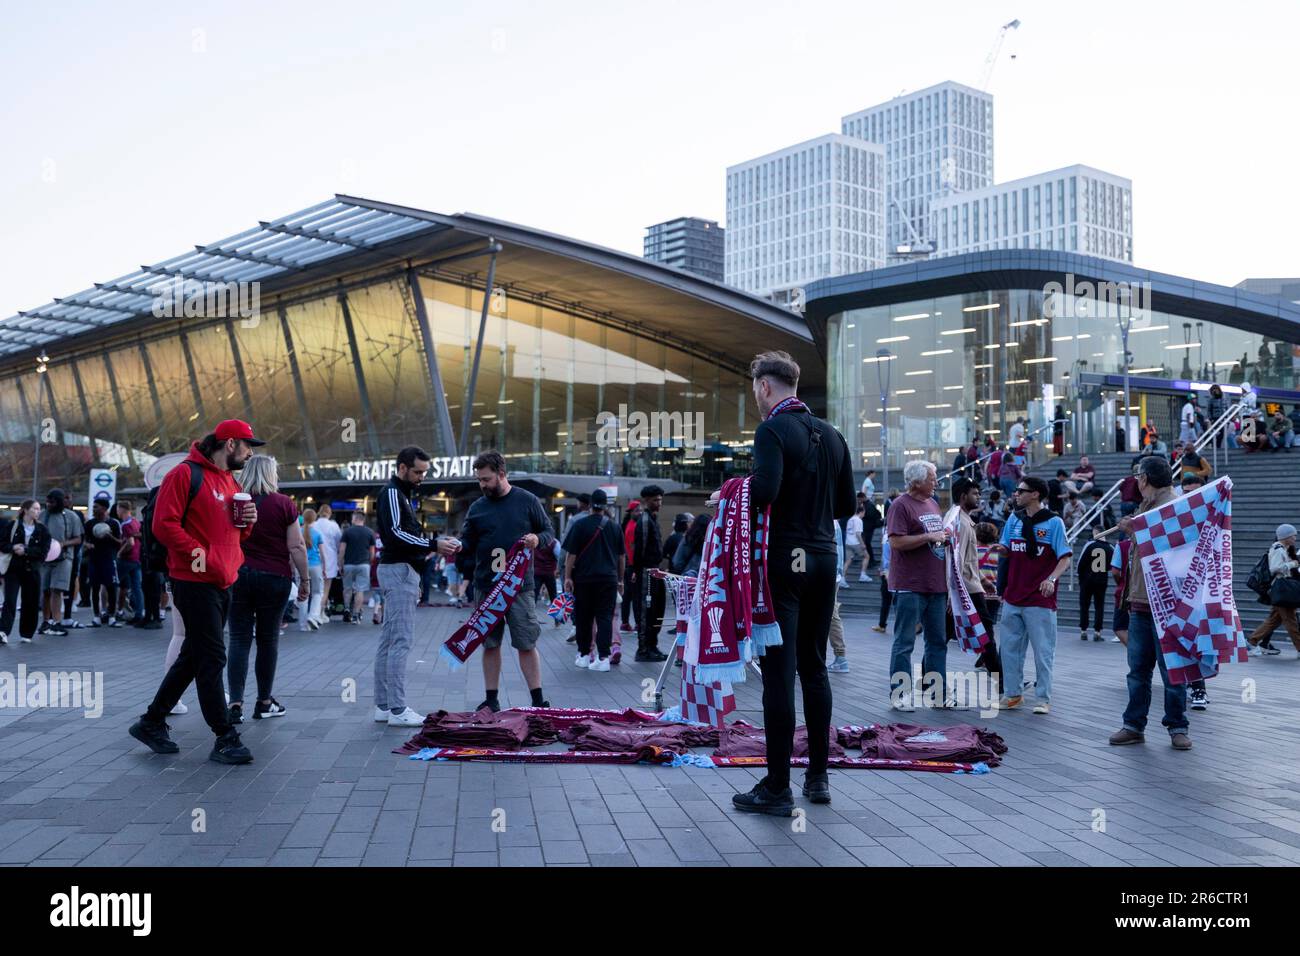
(220, 547)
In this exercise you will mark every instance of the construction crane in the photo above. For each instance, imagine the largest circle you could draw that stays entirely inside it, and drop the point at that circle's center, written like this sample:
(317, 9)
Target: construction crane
(992, 58)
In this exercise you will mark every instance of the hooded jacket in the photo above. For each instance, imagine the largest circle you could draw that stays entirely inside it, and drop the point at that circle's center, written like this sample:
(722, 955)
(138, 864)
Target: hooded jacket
(208, 548)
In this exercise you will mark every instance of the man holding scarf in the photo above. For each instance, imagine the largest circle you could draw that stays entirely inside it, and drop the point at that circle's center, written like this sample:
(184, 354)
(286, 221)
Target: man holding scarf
(1155, 479)
(494, 523)
(802, 470)
(647, 556)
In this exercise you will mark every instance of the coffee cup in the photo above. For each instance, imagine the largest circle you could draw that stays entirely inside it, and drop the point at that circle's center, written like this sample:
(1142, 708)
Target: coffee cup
(237, 504)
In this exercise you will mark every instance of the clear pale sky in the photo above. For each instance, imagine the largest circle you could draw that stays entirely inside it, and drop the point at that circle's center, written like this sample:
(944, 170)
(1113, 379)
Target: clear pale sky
(124, 144)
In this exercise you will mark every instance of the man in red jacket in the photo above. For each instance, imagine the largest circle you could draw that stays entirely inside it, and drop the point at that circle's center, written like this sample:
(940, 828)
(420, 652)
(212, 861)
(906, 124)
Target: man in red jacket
(204, 552)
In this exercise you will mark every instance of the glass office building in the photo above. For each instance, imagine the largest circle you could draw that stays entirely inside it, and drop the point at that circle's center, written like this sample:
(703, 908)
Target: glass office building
(964, 346)
(354, 355)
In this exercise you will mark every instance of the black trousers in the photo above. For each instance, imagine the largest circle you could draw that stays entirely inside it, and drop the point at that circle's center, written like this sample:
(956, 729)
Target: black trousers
(256, 605)
(1092, 593)
(152, 584)
(653, 596)
(23, 578)
(990, 659)
(886, 598)
(594, 601)
(202, 660)
(803, 602)
(546, 581)
(631, 604)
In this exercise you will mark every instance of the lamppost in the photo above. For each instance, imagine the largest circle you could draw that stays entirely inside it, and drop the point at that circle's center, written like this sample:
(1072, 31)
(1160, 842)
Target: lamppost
(42, 363)
(883, 358)
(1125, 323)
(1187, 350)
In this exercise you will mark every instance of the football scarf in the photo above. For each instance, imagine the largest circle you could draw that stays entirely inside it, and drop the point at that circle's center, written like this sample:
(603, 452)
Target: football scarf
(491, 610)
(1185, 547)
(700, 702)
(971, 635)
(725, 635)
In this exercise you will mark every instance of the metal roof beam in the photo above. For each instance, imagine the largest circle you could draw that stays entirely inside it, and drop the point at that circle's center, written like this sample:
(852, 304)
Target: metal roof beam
(39, 314)
(187, 274)
(248, 257)
(73, 303)
(312, 234)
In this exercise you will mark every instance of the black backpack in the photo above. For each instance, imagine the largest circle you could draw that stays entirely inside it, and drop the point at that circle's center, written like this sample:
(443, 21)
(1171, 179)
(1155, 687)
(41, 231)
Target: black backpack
(153, 551)
(1261, 579)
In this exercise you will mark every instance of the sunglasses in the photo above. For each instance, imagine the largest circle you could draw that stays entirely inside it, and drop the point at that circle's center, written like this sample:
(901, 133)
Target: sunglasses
(1023, 491)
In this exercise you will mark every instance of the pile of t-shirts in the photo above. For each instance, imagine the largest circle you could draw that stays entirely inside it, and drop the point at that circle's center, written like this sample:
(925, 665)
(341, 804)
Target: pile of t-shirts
(745, 740)
(618, 735)
(961, 743)
(507, 730)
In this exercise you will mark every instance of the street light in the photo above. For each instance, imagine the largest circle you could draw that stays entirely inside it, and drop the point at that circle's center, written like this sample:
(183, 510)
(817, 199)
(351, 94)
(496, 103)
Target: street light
(883, 358)
(1125, 323)
(42, 364)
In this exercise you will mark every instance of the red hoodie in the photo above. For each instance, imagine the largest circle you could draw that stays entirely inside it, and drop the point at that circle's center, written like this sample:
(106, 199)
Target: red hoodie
(208, 524)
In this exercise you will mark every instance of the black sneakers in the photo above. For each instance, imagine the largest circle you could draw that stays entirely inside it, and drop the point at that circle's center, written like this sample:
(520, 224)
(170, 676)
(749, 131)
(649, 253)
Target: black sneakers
(763, 800)
(154, 736)
(236, 712)
(274, 708)
(496, 707)
(229, 749)
(651, 655)
(817, 788)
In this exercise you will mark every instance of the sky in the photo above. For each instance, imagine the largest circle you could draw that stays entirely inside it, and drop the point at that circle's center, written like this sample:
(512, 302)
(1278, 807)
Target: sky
(131, 132)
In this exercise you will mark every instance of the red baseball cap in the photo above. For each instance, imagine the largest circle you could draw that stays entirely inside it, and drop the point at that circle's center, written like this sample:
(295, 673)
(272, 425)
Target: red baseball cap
(234, 428)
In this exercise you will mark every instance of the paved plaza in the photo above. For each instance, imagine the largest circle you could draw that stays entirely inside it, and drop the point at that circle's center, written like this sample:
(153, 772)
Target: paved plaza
(326, 790)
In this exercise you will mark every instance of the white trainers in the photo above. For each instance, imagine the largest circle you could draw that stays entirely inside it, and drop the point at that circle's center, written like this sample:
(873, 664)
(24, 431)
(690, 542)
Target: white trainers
(601, 664)
(381, 715)
(4, 638)
(407, 718)
(180, 709)
(864, 579)
(583, 661)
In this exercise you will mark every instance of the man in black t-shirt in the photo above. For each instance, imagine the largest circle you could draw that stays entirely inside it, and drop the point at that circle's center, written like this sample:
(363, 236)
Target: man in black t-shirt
(493, 524)
(593, 574)
(104, 539)
(1094, 582)
(356, 547)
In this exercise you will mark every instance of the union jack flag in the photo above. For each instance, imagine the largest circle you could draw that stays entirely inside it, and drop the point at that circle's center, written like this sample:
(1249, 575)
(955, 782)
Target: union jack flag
(561, 609)
(1185, 549)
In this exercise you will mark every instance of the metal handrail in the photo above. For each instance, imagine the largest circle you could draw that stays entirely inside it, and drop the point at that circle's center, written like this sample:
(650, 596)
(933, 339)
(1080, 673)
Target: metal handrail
(1099, 506)
(969, 464)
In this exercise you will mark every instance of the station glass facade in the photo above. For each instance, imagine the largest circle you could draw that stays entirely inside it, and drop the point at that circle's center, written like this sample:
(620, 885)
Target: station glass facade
(545, 377)
(972, 363)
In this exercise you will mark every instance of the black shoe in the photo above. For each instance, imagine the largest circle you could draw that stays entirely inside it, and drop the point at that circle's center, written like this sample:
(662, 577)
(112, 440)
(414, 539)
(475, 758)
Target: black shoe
(236, 713)
(152, 625)
(154, 736)
(496, 707)
(651, 655)
(762, 800)
(571, 639)
(273, 709)
(229, 749)
(817, 788)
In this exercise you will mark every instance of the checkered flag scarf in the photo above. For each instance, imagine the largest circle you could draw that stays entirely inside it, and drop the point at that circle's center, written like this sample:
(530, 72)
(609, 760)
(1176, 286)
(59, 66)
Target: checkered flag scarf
(971, 635)
(701, 703)
(1185, 548)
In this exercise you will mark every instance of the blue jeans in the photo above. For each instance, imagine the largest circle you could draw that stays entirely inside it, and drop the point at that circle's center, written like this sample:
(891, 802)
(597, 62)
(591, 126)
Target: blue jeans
(1143, 656)
(1287, 440)
(912, 608)
(128, 575)
(1021, 627)
(1008, 486)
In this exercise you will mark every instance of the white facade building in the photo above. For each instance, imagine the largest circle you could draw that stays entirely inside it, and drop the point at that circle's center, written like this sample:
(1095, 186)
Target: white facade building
(1075, 209)
(938, 141)
(805, 212)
